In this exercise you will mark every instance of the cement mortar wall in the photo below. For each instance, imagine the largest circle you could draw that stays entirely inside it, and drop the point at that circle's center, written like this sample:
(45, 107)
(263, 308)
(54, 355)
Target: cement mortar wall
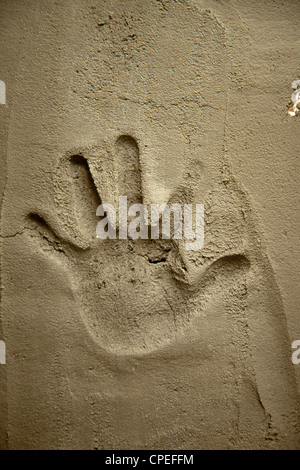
(141, 344)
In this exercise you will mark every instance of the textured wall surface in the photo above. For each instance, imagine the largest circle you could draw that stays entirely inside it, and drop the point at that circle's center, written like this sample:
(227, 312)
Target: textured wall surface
(141, 344)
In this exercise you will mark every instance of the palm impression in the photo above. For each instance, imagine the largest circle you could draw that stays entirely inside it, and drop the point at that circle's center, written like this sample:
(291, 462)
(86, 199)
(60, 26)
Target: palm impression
(135, 296)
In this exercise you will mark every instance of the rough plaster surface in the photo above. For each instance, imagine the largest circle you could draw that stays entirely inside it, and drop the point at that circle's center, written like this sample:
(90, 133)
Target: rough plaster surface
(141, 344)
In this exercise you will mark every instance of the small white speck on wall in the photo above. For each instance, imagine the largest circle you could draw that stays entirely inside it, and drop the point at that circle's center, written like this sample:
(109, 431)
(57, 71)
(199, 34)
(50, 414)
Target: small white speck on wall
(2, 353)
(293, 108)
(2, 93)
